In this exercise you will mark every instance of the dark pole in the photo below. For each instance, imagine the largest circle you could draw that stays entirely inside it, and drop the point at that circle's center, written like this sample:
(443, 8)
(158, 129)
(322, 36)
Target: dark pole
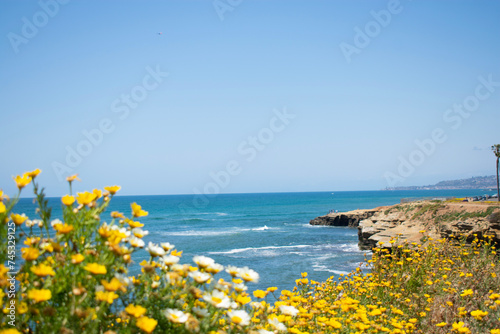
(498, 183)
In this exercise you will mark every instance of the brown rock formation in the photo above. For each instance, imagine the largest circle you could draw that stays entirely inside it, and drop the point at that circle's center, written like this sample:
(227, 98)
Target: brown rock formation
(405, 222)
(439, 219)
(349, 219)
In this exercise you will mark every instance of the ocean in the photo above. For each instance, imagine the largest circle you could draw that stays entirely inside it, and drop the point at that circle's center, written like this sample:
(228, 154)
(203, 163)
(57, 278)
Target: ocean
(267, 232)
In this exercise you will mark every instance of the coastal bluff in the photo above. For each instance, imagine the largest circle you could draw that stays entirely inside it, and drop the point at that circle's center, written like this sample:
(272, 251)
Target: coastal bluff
(440, 219)
(347, 219)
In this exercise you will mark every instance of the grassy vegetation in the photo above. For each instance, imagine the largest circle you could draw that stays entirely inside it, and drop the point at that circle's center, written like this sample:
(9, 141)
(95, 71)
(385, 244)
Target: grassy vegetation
(426, 208)
(459, 215)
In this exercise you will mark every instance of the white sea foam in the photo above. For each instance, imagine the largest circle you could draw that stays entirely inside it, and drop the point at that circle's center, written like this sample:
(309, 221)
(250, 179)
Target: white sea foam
(200, 233)
(320, 267)
(351, 248)
(326, 256)
(257, 249)
(348, 248)
(263, 228)
(221, 214)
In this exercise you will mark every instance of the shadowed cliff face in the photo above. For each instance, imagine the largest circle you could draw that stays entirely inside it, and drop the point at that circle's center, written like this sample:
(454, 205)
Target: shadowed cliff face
(407, 221)
(349, 219)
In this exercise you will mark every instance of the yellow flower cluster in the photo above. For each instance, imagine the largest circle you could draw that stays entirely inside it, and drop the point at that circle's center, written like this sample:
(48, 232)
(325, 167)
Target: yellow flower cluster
(440, 287)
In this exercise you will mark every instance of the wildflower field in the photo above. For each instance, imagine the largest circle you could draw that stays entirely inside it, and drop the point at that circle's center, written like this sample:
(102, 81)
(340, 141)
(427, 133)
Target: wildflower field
(73, 278)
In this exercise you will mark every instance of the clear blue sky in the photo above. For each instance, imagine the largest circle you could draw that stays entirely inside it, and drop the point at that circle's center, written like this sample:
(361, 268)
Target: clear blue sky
(364, 80)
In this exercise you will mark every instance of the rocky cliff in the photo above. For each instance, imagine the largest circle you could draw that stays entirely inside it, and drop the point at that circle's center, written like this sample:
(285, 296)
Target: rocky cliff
(406, 221)
(349, 219)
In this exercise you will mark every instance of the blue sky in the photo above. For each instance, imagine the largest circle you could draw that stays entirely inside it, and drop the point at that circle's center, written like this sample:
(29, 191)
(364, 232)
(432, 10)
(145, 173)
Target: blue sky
(248, 96)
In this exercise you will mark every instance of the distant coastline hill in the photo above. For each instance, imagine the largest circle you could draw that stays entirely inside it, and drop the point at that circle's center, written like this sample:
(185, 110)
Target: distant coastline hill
(478, 182)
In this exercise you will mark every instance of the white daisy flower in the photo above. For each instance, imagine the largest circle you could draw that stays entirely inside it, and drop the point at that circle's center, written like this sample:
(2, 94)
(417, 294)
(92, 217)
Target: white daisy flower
(215, 268)
(123, 279)
(263, 331)
(233, 271)
(169, 260)
(240, 287)
(217, 298)
(31, 223)
(139, 232)
(199, 277)
(239, 317)
(136, 242)
(203, 261)
(167, 246)
(276, 324)
(55, 222)
(249, 275)
(155, 250)
(289, 310)
(256, 305)
(201, 312)
(175, 316)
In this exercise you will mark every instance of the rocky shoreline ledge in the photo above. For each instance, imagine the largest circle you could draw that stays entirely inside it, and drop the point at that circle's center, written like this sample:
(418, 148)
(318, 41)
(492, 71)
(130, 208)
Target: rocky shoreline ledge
(440, 219)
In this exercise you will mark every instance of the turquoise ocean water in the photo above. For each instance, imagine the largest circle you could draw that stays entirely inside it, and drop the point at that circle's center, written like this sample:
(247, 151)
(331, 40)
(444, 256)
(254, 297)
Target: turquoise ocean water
(269, 232)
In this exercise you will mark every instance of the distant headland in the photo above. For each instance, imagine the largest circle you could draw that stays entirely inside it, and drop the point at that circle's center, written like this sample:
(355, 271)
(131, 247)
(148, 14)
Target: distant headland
(477, 182)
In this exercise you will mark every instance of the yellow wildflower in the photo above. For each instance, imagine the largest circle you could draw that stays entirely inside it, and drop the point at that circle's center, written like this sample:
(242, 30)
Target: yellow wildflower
(136, 311)
(137, 210)
(85, 198)
(259, 293)
(134, 224)
(33, 173)
(63, 228)
(335, 324)
(22, 181)
(2, 207)
(22, 308)
(95, 268)
(243, 299)
(116, 214)
(43, 270)
(467, 292)
(107, 296)
(176, 253)
(73, 178)
(68, 200)
(460, 327)
(77, 258)
(478, 314)
(112, 189)
(146, 324)
(9, 331)
(39, 295)
(31, 241)
(113, 285)
(18, 219)
(30, 253)
(97, 193)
